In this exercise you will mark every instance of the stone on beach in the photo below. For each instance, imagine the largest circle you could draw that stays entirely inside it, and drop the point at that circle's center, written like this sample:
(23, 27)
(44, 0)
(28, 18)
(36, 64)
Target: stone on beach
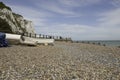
(63, 61)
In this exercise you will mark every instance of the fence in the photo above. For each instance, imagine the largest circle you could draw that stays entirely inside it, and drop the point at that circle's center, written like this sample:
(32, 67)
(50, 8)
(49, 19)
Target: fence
(41, 36)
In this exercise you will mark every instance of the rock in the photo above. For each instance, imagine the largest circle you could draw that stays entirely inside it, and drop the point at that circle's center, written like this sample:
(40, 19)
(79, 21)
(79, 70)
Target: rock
(13, 23)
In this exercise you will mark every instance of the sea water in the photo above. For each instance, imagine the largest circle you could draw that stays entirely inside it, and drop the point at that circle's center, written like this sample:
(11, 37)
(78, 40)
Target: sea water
(114, 43)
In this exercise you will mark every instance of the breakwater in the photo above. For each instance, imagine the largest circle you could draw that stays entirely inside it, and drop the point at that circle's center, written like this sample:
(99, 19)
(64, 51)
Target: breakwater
(43, 36)
(111, 43)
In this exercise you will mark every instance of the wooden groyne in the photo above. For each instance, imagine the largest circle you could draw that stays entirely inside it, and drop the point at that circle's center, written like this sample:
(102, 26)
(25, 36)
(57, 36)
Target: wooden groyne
(27, 40)
(89, 42)
(34, 39)
(42, 36)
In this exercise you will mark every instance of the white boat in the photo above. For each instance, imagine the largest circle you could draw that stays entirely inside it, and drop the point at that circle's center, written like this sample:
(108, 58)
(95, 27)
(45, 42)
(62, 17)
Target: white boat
(38, 40)
(13, 36)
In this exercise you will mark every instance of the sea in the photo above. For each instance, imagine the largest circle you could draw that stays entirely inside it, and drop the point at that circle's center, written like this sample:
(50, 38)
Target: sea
(110, 43)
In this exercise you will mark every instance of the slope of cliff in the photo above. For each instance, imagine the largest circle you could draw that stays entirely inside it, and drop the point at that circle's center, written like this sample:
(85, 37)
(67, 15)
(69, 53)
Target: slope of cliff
(13, 23)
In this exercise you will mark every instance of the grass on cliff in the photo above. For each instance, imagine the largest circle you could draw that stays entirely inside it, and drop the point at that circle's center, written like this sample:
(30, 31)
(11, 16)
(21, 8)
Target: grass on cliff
(2, 5)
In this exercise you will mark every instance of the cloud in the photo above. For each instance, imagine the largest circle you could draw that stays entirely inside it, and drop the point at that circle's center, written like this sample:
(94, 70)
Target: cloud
(80, 32)
(116, 3)
(42, 15)
(108, 28)
(110, 18)
(78, 3)
(57, 8)
(38, 17)
(29, 12)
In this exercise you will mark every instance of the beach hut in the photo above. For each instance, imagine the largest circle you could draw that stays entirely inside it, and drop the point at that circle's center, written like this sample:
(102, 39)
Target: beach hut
(3, 42)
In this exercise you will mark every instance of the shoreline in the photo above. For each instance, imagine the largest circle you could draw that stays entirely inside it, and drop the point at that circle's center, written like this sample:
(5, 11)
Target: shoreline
(108, 43)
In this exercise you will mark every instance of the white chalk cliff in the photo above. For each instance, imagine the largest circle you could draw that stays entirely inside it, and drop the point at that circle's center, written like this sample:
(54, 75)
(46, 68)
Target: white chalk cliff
(13, 23)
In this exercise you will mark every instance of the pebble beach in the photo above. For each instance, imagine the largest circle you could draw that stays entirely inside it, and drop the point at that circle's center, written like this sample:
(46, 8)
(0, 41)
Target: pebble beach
(63, 61)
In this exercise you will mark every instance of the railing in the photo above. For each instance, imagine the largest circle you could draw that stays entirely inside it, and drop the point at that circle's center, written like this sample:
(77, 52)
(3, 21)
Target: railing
(41, 36)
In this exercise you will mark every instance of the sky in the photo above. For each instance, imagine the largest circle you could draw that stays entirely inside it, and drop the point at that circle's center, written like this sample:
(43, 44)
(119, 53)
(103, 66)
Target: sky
(78, 19)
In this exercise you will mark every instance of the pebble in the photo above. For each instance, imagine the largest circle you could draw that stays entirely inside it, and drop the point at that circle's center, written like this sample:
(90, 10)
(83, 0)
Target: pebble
(63, 61)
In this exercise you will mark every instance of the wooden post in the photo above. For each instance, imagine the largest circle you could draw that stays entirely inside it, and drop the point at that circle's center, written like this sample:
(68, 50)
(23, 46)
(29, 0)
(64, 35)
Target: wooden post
(23, 34)
(39, 35)
(99, 43)
(60, 37)
(104, 45)
(50, 37)
(66, 39)
(30, 35)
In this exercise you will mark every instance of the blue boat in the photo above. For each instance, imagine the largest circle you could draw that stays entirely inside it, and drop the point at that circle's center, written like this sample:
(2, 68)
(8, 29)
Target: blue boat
(3, 42)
